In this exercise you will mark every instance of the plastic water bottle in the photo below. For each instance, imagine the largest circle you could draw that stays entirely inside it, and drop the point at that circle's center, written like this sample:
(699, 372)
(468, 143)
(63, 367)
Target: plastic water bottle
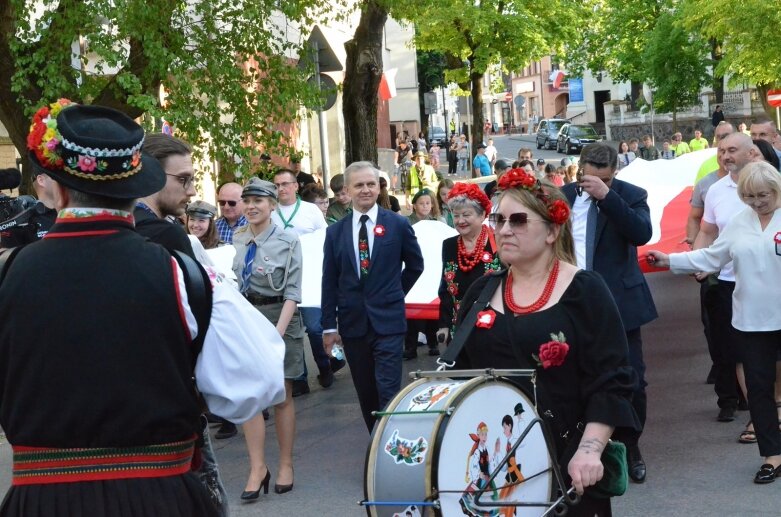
(337, 352)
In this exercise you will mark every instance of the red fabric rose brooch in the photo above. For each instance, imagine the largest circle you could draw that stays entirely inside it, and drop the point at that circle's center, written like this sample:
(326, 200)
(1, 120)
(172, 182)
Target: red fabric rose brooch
(485, 319)
(552, 353)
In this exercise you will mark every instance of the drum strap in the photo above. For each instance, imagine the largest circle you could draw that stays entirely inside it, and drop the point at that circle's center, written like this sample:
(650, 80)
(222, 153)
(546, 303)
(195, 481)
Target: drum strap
(466, 326)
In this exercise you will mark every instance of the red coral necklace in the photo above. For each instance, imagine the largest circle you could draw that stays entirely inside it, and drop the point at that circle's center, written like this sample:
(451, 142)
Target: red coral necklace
(547, 291)
(466, 260)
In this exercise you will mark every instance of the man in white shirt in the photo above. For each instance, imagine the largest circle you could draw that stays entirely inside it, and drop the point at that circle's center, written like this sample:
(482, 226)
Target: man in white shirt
(371, 259)
(764, 129)
(721, 204)
(491, 152)
(302, 217)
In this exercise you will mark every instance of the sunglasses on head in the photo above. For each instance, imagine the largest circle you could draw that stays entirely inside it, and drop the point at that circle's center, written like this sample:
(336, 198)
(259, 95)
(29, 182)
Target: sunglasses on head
(517, 221)
(230, 203)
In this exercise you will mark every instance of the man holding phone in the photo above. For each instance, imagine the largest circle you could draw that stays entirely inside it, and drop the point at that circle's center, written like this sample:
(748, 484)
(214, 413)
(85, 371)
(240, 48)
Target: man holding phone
(610, 218)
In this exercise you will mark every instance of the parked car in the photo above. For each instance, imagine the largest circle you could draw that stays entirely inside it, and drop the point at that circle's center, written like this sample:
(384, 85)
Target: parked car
(548, 132)
(572, 137)
(438, 135)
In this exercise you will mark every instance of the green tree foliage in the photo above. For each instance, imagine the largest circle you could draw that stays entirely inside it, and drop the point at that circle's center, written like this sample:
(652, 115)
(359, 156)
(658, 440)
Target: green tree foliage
(473, 35)
(674, 63)
(749, 34)
(612, 38)
(226, 65)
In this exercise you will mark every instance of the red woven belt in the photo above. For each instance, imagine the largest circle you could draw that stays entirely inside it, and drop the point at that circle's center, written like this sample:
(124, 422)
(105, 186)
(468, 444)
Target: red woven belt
(42, 465)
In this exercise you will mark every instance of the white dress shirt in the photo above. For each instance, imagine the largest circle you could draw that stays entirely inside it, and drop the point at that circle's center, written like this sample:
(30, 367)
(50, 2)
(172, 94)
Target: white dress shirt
(356, 227)
(752, 251)
(579, 217)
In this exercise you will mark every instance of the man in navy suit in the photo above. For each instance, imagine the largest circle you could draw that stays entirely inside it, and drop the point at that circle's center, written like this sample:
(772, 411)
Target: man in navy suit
(610, 218)
(364, 287)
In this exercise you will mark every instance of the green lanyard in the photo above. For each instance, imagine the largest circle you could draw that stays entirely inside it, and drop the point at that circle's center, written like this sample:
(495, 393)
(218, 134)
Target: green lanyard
(286, 222)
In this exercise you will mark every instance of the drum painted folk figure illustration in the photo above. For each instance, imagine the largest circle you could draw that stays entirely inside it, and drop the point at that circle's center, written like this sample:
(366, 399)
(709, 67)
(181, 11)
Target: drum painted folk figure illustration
(454, 447)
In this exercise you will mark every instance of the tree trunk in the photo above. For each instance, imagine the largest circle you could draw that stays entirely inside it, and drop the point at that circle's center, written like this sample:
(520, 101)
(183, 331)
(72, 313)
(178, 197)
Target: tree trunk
(361, 82)
(477, 113)
(718, 82)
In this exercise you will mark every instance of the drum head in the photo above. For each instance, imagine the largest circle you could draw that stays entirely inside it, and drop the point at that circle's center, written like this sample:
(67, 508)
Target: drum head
(399, 457)
(477, 439)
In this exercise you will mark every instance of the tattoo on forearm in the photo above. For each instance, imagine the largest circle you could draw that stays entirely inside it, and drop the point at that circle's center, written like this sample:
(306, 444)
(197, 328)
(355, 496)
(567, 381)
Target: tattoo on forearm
(591, 445)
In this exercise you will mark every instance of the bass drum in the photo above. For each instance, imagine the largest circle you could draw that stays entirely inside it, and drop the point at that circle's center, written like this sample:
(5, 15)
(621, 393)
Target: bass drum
(440, 440)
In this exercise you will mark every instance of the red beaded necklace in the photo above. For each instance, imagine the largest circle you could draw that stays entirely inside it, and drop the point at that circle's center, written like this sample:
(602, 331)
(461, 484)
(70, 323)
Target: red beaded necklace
(466, 260)
(547, 291)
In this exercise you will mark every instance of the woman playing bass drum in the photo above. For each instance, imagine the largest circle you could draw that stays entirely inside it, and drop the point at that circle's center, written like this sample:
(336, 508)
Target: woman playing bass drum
(548, 315)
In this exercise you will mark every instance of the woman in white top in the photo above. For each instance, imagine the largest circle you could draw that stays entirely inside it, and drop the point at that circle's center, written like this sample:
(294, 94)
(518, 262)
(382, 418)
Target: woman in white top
(752, 241)
(625, 156)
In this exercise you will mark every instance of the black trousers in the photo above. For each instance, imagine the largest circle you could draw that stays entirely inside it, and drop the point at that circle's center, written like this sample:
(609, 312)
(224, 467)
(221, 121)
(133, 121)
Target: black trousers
(759, 351)
(719, 307)
(452, 162)
(708, 289)
(427, 327)
(630, 437)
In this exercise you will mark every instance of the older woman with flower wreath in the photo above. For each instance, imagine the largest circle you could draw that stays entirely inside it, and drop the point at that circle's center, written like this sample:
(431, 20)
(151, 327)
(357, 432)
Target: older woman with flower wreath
(467, 256)
(544, 313)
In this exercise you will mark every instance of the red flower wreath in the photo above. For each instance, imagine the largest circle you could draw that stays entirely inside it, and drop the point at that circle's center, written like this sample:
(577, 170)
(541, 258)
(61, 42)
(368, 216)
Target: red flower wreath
(485, 319)
(473, 192)
(379, 230)
(553, 352)
(518, 178)
(558, 210)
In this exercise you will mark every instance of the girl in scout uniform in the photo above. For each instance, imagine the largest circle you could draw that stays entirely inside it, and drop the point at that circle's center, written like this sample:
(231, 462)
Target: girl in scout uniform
(268, 268)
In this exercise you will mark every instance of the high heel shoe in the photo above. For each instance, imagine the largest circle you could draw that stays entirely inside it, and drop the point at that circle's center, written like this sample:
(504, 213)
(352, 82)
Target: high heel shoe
(281, 489)
(252, 495)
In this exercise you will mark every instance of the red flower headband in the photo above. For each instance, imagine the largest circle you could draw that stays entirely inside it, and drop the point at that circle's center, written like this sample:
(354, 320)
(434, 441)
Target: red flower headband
(558, 210)
(473, 192)
(44, 137)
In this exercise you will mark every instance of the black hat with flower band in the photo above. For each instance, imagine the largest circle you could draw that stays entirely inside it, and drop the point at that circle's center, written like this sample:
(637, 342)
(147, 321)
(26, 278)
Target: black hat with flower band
(93, 149)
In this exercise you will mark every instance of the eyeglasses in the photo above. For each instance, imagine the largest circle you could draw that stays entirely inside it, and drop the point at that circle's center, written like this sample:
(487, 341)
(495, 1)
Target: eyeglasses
(185, 181)
(517, 221)
(231, 204)
(283, 184)
(762, 196)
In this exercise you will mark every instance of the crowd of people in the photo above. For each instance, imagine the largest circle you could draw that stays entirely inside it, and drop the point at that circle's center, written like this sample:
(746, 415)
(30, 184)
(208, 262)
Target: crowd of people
(550, 250)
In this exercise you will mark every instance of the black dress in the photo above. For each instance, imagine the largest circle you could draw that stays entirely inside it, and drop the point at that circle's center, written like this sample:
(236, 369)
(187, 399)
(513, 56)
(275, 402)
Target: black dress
(455, 281)
(593, 383)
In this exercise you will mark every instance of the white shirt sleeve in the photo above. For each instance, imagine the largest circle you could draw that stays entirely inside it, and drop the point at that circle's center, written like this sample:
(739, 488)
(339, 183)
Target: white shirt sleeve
(710, 259)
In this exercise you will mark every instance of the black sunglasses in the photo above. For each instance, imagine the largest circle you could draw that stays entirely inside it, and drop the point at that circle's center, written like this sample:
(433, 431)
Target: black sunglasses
(517, 221)
(222, 202)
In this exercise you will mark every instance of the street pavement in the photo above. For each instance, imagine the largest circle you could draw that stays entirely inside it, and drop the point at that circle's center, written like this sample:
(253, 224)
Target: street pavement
(695, 465)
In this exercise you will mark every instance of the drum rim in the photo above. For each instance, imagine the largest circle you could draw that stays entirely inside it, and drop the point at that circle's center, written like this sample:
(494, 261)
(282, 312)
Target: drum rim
(372, 451)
